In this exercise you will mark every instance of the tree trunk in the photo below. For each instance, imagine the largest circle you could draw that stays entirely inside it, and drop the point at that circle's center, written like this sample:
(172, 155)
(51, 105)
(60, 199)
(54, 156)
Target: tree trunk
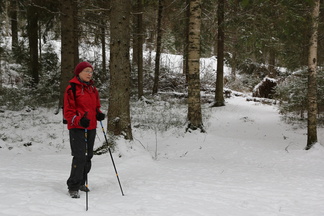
(103, 54)
(185, 47)
(134, 42)
(75, 32)
(119, 121)
(150, 47)
(139, 30)
(235, 38)
(272, 63)
(312, 80)
(219, 96)
(32, 30)
(67, 45)
(158, 48)
(194, 104)
(14, 24)
(1, 79)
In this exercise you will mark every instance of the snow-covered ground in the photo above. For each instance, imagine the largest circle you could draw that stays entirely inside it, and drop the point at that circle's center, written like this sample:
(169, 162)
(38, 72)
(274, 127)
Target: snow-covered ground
(249, 163)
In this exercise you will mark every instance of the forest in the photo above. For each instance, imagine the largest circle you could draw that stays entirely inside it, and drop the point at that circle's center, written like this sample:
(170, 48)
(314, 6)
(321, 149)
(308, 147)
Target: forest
(272, 47)
(210, 107)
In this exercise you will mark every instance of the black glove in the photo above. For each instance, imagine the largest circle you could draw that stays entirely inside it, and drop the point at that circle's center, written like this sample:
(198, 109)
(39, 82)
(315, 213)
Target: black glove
(100, 116)
(84, 122)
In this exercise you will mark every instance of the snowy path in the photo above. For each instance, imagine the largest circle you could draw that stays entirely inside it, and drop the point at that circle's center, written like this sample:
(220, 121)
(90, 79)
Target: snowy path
(241, 167)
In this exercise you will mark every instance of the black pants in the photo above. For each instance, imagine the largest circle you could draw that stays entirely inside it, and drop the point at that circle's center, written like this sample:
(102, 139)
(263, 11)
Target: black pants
(81, 164)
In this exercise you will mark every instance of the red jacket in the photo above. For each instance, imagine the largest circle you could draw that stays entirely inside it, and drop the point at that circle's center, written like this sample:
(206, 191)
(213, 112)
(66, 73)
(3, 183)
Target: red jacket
(86, 100)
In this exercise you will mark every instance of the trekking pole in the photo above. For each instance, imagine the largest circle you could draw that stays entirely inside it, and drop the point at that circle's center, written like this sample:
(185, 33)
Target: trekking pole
(86, 155)
(112, 159)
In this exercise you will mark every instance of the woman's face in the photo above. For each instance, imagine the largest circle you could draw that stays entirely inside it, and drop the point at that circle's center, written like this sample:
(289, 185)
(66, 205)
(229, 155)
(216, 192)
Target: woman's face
(86, 74)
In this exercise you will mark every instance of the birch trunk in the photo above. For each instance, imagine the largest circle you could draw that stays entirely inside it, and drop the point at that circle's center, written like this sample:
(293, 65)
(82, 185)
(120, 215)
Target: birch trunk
(194, 103)
(312, 80)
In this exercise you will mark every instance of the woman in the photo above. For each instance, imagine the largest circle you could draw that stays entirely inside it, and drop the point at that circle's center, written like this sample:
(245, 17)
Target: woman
(81, 111)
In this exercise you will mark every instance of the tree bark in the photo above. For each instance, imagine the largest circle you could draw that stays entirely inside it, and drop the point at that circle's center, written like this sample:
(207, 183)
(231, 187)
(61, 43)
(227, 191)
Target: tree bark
(14, 24)
(185, 47)
(103, 53)
(312, 80)
(119, 121)
(68, 35)
(194, 104)
(158, 48)
(76, 32)
(272, 63)
(134, 22)
(219, 96)
(140, 48)
(32, 30)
